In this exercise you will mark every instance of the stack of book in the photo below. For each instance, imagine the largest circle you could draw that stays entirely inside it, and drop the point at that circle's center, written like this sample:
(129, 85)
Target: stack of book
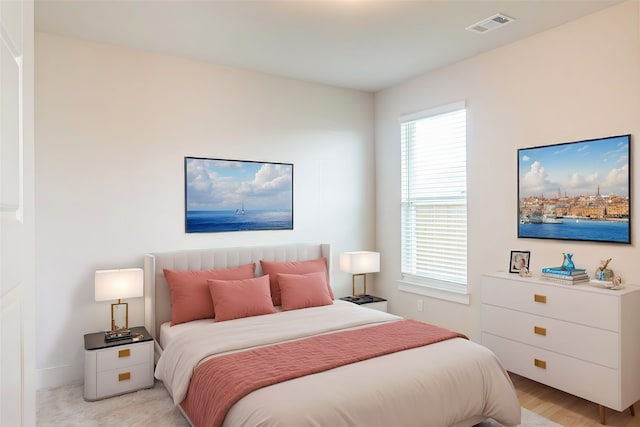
(564, 276)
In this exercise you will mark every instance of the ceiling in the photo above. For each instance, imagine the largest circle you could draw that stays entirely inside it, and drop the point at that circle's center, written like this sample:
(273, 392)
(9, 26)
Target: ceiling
(360, 44)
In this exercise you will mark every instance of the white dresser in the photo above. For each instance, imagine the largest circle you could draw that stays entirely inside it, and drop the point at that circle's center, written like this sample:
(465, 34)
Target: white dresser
(582, 339)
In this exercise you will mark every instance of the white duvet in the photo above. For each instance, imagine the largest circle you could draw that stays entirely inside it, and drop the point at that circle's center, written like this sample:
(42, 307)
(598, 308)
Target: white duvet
(437, 385)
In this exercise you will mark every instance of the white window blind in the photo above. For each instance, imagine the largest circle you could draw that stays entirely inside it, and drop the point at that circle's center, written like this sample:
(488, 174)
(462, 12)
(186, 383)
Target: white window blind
(434, 198)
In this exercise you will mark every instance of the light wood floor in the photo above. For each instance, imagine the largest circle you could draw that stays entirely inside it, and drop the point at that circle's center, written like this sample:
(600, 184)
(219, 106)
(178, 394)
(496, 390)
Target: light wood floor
(568, 410)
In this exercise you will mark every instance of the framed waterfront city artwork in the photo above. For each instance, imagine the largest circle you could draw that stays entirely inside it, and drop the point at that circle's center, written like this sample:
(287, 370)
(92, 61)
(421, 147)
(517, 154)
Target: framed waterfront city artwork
(576, 191)
(237, 195)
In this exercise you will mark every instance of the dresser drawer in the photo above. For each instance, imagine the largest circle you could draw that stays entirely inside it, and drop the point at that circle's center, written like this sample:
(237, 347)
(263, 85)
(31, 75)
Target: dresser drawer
(118, 381)
(122, 356)
(594, 345)
(556, 301)
(587, 380)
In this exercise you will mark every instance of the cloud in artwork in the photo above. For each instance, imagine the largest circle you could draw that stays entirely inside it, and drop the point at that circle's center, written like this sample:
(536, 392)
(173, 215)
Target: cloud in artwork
(616, 181)
(576, 169)
(224, 185)
(536, 181)
(270, 180)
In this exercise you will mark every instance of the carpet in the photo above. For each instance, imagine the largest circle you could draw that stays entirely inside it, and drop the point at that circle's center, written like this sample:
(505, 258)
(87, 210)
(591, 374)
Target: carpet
(65, 406)
(528, 419)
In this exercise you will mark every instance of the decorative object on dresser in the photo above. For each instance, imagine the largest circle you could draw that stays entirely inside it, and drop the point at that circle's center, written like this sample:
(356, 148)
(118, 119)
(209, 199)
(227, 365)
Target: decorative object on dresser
(359, 264)
(567, 261)
(583, 340)
(567, 273)
(606, 277)
(602, 272)
(119, 284)
(555, 275)
(117, 367)
(368, 301)
(519, 262)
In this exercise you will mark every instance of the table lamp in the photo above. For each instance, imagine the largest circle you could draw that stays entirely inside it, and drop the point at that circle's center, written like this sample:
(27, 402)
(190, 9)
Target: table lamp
(119, 284)
(359, 264)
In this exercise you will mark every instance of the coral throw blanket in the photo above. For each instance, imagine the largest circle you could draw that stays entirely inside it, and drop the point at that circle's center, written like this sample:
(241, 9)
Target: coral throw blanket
(220, 382)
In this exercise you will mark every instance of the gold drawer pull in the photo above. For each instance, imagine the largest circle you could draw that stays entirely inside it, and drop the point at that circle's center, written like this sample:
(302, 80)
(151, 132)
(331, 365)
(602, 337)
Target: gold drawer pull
(540, 363)
(540, 330)
(124, 376)
(540, 298)
(124, 353)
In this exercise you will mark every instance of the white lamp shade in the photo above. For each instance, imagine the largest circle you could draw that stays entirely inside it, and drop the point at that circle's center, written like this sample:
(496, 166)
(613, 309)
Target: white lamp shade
(360, 262)
(119, 284)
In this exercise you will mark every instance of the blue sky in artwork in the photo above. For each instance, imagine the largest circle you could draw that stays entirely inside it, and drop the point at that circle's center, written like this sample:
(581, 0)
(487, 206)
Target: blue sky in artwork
(228, 184)
(575, 168)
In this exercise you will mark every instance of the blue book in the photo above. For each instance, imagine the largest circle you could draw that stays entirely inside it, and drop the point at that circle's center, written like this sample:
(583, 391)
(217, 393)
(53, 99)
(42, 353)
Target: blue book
(563, 271)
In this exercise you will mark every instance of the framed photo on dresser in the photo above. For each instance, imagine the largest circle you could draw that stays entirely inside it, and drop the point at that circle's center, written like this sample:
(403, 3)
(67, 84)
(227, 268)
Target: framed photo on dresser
(519, 260)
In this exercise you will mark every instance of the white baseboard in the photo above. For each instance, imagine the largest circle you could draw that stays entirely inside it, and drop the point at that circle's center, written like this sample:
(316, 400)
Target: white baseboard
(59, 375)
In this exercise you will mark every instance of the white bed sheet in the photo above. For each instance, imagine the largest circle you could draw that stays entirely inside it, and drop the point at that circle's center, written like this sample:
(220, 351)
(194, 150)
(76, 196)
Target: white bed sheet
(437, 385)
(168, 332)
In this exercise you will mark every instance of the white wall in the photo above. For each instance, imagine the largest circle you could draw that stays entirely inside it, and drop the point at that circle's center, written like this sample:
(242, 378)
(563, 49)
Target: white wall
(574, 82)
(113, 126)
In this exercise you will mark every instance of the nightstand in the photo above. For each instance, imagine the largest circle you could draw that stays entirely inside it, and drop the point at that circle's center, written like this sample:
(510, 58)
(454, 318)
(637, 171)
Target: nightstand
(117, 367)
(368, 301)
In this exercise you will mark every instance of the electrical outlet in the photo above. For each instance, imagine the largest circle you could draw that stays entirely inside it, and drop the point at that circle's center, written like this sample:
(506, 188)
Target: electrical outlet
(420, 304)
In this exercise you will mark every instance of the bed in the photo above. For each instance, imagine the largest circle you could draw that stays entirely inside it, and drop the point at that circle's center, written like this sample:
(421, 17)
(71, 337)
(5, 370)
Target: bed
(451, 382)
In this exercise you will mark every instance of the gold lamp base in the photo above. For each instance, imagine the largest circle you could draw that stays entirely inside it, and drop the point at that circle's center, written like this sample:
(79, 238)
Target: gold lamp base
(119, 316)
(353, 283)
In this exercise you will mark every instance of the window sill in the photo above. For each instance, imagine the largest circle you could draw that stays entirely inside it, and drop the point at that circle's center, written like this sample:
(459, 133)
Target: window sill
(434, 292)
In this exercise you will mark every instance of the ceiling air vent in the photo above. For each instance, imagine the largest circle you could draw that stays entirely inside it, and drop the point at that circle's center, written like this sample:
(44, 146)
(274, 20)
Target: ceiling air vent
(496, 21)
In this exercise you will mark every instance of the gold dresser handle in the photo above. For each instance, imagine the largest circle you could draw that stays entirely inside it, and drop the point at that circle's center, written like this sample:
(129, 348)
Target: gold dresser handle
(540, 363)
(124, 353)
(539, 330)
(540, 298)
(124, 376)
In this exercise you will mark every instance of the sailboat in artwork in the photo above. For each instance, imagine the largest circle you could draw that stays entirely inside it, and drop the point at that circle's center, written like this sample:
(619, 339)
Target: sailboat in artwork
(240, 211)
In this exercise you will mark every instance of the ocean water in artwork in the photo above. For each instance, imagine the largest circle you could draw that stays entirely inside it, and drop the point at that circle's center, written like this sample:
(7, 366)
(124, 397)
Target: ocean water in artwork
(232, 220)
(578, 229)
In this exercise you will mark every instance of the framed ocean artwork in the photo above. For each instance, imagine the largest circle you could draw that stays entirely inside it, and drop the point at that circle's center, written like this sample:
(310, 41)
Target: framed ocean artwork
(237, 195)
(576, 191)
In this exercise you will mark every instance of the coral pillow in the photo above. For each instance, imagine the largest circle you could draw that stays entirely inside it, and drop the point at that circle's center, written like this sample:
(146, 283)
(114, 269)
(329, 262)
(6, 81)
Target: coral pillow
(303, 290)
(297, 267)
(233, 299)
(189, 291)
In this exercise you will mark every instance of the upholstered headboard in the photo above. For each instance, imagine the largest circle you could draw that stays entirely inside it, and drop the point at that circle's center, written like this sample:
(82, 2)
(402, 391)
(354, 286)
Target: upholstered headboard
(157, 303)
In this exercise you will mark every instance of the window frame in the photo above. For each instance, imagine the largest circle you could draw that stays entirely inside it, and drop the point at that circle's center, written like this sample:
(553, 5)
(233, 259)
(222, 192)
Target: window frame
(418, 284)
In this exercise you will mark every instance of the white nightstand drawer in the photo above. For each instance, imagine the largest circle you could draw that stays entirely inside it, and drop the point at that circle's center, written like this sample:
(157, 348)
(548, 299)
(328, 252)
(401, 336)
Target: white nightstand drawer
(118, 381)
(123, 356)
(595, 345)
(587, 380)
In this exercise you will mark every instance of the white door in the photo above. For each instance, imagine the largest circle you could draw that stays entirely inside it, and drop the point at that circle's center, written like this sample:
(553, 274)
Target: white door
(17, 246)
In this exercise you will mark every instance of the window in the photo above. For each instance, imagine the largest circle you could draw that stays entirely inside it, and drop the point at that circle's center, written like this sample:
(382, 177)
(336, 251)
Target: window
(434, 199)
